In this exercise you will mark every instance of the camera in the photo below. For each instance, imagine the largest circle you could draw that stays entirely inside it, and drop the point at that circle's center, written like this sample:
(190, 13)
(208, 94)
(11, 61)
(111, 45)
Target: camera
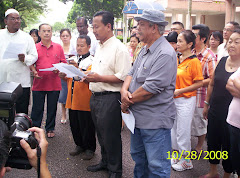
(18, 125)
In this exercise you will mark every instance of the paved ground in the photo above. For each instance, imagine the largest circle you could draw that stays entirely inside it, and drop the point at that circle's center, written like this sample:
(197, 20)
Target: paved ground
(61, 165)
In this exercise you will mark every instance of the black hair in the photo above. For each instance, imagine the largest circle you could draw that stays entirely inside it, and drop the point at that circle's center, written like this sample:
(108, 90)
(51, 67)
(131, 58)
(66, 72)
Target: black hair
(65, 29)
(203, 31)
(4, 143)
(107, 17)
(235, 24)
(87, 38)
(134, 35)
(39, 28)
(189, 36)
(237, 30)
(217, 35)
(178, 23)
(35, 31)
(84, 20)
(172, 37)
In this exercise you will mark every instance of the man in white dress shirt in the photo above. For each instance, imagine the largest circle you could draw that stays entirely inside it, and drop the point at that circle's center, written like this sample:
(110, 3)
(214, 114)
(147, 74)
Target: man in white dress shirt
(17, 53)
(82, 27)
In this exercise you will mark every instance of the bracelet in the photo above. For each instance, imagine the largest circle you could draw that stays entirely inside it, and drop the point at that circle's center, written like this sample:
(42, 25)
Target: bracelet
(206, 103)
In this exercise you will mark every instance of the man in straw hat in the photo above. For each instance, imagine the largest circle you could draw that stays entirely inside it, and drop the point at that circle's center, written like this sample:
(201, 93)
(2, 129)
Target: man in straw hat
(17, 53)
(148, 92)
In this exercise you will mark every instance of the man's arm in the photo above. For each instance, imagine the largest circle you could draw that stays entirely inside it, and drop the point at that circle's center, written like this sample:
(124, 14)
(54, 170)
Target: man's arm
(32, 153)
(94, 77)
(31, 53)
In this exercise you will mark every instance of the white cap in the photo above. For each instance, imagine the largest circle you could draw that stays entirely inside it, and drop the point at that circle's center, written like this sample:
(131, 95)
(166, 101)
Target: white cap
(9, 11)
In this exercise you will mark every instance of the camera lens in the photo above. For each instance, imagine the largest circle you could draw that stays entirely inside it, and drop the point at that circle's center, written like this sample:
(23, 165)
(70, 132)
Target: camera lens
(23, 122)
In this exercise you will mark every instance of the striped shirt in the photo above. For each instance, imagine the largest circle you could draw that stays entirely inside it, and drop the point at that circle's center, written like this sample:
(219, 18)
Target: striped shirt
(208, 61)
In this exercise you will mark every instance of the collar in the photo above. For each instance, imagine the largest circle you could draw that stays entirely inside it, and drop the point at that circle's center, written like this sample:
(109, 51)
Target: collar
(202, 51)
(107, 41)
(12, 33)
(44, 45)
(84, 56)
(153, 47)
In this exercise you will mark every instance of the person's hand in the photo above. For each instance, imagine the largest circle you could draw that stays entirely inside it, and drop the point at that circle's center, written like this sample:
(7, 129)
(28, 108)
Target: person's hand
(32, 153)
(124, 108)
(35, 74)
(93, 77)
(177, 92)
(84, 80)
(55, 71)
(125, 98)
(72, 62)
(62, 75)
(205, 111)
(21, 57)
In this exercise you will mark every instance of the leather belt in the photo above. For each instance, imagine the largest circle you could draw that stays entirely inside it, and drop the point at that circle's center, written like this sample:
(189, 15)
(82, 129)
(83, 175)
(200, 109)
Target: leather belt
(103, 93)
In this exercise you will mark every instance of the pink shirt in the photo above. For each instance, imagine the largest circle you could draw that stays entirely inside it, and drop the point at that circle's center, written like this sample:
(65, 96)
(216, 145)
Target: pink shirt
(46, 57)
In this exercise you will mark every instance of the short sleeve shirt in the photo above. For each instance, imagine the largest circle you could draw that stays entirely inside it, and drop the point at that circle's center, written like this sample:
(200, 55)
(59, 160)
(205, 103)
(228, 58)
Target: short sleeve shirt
(50, 81)
(188, 71)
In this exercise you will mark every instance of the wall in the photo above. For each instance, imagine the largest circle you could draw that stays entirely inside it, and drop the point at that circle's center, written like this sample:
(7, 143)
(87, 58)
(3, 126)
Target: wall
(215, 22)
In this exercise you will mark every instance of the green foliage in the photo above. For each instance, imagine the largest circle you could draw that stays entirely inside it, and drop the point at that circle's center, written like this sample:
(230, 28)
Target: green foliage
(121, 38)
(58, 26)
(29, 10)
(88, 8)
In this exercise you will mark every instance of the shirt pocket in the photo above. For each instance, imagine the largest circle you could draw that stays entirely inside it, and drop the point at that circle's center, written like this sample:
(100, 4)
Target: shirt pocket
(142, 75)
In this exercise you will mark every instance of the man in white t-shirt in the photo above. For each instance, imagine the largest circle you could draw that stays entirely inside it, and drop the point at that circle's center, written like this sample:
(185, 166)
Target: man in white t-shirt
(227, 32)
(82, 27)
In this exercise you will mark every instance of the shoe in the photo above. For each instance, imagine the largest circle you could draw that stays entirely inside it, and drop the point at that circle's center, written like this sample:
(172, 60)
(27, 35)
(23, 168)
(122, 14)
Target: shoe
(97, 167)
(114, 175)
(77, 151)
(174, 159)
(63, 121)
(50, 134)
(89, 154)
(183, 165)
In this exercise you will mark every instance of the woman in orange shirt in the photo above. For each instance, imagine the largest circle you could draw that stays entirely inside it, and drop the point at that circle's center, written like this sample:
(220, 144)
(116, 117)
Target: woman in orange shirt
(189, 79)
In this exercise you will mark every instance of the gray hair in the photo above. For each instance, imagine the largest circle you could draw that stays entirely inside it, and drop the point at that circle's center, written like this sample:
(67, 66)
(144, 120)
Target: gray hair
(161, 28)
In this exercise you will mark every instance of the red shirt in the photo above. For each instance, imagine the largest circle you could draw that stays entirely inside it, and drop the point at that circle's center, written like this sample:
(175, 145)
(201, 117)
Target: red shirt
(46, 57)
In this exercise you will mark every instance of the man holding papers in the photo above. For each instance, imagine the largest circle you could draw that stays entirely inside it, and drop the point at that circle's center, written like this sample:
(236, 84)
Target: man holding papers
(78, 102)
(148, 92)
(109, 69)
(46, 83)
(17, 53)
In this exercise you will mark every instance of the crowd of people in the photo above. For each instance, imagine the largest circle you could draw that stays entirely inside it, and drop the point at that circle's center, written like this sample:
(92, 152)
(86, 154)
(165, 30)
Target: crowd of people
(184, 84)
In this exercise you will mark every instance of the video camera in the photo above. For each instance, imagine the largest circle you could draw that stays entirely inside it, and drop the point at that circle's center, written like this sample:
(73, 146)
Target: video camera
(18, 125)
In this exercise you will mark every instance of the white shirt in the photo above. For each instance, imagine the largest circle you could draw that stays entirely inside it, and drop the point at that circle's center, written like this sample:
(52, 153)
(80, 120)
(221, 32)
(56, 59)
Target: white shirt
(94, 45)
(111, 58)
(221, 51)
(12, 69)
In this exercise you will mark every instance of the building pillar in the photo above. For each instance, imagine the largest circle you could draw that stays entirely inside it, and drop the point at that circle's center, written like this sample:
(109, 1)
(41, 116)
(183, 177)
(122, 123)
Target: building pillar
(198, 18)
(184, 18)
(173, 17)
(230, 11)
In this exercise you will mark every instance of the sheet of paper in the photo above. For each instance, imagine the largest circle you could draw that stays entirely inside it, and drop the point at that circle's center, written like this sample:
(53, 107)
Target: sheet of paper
(129, 120)
(13, 49)
(48, 69)
(69, 70)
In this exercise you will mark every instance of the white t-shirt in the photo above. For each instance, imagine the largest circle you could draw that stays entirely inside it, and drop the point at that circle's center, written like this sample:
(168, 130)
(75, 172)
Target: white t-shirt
(233, 117)
(221, 51)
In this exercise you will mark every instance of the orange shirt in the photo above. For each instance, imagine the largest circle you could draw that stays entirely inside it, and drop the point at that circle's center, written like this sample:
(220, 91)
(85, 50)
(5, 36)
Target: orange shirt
(188, 71)
(80, 99)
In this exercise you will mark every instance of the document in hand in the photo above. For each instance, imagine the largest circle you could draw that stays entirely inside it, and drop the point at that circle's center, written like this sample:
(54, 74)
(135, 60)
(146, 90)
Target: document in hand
(129, 120)
(69, 70)
(12, 50)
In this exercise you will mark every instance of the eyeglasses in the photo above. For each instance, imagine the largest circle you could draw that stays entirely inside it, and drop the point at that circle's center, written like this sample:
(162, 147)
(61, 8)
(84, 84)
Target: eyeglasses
(15, 19)
(227, 29)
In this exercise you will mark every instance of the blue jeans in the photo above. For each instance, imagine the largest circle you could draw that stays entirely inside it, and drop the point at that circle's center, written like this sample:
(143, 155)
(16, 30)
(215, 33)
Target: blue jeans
(149, 149)
(38, 108)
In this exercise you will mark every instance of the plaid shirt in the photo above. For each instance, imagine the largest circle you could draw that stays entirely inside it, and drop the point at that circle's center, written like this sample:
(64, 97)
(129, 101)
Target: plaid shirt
(208, 60)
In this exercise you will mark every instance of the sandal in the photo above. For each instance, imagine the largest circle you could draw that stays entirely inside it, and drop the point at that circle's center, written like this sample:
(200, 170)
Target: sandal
(50, 134)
